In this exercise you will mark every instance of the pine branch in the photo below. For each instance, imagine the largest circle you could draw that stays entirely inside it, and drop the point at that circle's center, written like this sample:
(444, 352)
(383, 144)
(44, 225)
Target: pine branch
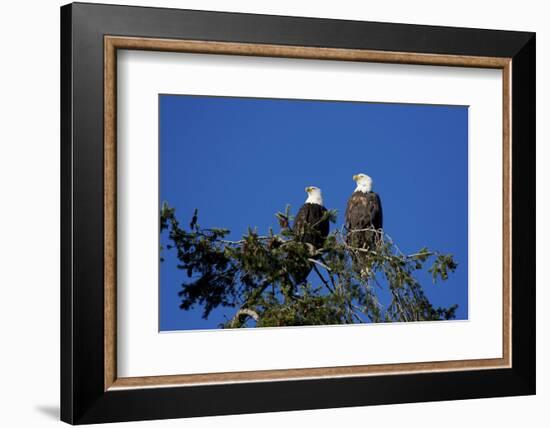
(257, 274)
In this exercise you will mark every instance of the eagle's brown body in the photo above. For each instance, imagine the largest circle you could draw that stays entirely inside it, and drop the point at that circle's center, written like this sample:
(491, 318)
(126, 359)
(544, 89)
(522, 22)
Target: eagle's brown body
(364, 211)
(311, 226)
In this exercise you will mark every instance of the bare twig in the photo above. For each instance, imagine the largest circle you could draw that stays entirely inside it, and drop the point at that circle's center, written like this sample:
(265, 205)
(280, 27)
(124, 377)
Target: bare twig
(330, 275)
(425, 253)
(244, 311)
(399, 304)
(316, 269)
(242, 241)
(355, 315)
(317, 262)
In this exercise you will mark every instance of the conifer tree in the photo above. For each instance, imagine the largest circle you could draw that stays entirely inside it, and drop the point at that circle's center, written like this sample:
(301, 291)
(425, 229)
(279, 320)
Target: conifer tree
(254, 276)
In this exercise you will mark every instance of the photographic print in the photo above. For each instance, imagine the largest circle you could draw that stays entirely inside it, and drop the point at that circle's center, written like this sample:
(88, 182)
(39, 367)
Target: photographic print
(285, 212)
(331, 188)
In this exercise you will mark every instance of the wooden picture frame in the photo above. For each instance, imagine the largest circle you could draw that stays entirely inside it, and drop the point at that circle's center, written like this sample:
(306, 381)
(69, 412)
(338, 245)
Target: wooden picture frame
(91, 390)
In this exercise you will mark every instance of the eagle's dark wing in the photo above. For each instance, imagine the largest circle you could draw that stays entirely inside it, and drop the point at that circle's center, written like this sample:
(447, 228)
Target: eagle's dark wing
(375, 210)
(323, 226)
(301, 220)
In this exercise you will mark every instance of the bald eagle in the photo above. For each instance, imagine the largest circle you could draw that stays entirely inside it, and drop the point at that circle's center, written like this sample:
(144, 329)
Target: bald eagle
(364, 211)
(311, 226)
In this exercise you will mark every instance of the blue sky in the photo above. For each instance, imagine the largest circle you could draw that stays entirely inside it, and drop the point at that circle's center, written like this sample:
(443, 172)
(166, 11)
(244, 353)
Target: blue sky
(240, 160)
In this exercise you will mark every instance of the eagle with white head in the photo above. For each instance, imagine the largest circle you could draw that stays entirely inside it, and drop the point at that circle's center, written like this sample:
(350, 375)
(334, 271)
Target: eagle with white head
(363, 215)
(311, 225)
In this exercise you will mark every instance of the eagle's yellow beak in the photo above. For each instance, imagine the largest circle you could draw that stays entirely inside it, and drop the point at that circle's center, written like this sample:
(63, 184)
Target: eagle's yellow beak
(308, 189)
(355, 177)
